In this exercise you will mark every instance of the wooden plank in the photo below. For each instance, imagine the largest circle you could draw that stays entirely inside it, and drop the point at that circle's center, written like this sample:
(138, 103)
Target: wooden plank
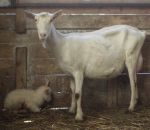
(83, 3)
(95, 10)
(7, 10)
(80, 1)
(6, 51)
(42, 52)
(20, 21)
(143, 85)
(6, 67)
(21, 67)
(61, 100)
(45, 66)
(7, 21)
(123, 91)
(107, 10)
(6, 85)
(58, 83)
(7, 36)
(112, 93)
(146, 57)
(30, 37)
(73, 21)
(94, 94)
(104, 10)
(8, 15)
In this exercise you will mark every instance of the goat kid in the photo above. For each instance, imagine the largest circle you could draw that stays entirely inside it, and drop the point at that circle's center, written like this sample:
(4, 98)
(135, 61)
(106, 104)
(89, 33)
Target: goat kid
(29, 99)
(99, 54)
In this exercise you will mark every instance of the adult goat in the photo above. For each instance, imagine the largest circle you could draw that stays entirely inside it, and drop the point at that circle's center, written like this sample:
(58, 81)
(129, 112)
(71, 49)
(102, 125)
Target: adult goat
(100, 54)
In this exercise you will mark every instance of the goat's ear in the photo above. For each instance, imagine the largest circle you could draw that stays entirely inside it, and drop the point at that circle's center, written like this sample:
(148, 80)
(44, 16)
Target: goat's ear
(30, 14)
(56, 14)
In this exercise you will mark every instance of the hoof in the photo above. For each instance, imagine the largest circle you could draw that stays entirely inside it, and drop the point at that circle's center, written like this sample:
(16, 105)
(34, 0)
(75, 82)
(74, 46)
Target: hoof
(79, 118)
(129, 111)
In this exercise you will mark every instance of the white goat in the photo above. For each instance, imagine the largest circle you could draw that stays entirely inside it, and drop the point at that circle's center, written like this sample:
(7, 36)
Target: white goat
(99, 54)
(30, 99)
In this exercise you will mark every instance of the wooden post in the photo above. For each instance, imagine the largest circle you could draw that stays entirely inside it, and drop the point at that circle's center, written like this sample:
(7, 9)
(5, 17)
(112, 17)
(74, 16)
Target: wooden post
(20, 21)
(21, 67)
(112, 93)
(13, 3)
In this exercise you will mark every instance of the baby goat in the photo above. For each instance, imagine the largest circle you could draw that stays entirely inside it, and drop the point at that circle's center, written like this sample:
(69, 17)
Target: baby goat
(29, 99)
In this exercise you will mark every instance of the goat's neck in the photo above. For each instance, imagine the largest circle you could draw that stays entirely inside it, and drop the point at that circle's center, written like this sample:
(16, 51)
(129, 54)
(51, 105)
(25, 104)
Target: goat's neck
(55, 41)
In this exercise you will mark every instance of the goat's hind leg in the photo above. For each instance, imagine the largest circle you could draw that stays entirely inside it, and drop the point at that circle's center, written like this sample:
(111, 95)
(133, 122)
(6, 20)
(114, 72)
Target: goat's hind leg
(131, 63)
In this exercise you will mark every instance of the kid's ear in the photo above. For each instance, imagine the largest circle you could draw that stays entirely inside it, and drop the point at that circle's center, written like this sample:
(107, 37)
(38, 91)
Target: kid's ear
(30, 14)
(56, 14)
(48, 83)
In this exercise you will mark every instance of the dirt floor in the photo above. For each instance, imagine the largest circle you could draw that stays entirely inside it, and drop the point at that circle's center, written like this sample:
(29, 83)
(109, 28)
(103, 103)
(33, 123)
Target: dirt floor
(112, 119)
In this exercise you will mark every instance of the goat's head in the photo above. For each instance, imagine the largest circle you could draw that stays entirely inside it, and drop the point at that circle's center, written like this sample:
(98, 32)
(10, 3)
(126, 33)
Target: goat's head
(43, 22)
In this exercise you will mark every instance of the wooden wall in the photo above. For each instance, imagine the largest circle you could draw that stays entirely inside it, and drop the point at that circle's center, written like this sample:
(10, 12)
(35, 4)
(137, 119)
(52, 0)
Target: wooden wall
(24, 63)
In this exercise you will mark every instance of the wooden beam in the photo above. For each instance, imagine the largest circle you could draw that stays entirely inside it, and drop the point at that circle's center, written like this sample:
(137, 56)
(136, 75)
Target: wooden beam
(20, 21)
(83, 3)
(97, 21)
(21, 67)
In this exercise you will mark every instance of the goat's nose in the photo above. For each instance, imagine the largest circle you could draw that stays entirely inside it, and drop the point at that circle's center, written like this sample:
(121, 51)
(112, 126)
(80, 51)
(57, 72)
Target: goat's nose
(43, 35)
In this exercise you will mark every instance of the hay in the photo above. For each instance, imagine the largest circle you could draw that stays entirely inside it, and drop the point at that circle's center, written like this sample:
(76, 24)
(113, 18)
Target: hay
(62, 120)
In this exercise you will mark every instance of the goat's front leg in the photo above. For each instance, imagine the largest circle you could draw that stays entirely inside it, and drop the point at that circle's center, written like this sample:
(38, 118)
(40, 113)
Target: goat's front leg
(72, 109)
(78, 95)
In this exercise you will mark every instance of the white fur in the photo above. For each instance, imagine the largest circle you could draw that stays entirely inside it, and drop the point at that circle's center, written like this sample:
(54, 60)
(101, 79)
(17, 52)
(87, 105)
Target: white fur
(99, 54)
(4, 3)
(31, 99)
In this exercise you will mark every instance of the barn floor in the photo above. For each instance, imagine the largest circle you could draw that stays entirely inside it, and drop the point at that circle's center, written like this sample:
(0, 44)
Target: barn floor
(110, 119)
